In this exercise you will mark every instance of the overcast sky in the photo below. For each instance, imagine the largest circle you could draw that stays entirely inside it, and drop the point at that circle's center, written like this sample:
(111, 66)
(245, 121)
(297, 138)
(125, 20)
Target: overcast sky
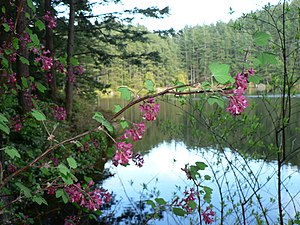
(189, 12)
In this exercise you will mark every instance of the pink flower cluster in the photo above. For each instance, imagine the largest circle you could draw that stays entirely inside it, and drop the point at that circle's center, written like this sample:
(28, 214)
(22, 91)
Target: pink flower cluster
(79, 70)
(237, 100)
(91, 200)
(59, 113)
(150, 109)
(47, 62)
(184, 203)
(49, 18)
(12, 168)
(207, 215)
(136, 133)
(123, 153)
(16, 123)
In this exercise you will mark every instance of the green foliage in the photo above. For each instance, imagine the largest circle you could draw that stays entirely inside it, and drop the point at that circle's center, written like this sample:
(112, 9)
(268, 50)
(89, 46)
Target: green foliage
(101, 119)
(3, 124)
(261, 38)
(38, 115)
(221, 73)
(12, 152)
(125, 93)
(179, 211)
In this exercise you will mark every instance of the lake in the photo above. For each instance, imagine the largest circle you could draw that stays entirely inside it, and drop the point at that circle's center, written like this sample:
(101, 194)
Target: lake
(239, 153)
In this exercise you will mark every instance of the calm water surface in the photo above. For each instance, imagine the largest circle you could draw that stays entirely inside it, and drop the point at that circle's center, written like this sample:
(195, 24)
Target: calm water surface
(162, 176)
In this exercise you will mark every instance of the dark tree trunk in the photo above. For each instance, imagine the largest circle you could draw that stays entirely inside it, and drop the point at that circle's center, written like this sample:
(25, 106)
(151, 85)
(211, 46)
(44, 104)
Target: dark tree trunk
(23, 69)
(70, 50)
(49, 46)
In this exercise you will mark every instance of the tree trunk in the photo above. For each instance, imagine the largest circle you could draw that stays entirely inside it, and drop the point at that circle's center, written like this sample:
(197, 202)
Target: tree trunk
(22, 70)
(70, 50)
(49, 46)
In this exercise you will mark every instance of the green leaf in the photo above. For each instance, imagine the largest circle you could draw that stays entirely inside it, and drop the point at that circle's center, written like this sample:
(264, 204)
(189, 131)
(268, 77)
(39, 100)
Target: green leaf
(24, 82)
(24, 60)
(6, 27)
(31, 5)
(63, 169)
(63, 60)
(40, 87)
(15, 42)
(254, 78)
(39, 24)
(297, 221)
(207, 195)
(61, 193)
(149, 84)
(266, 58)
(3, 10)
(201, 165)
(151, 203)
(34, 38)
(124, 124)
(192, 204)
(221, 73)
(39, 200)
(216, 100)
(100, 118)
(24, 189)
(74, 61)
(178, 211)
(207, 177)
(4, 62)
(181, 88)
(125, 93)
(117, 108)
(261, 38)
(160, 201)
(38, 115)
(72, 162)
(67, 179)
(12, 152)
(4, 128)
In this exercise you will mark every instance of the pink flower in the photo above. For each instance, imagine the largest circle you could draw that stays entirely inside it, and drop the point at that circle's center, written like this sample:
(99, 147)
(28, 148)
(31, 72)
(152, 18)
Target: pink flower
(207, 215)
(11, 168)
(50, 19)
(16, 123)
(59, 66)
(190, 195)
(79, 70)
(237, 104)
(136, 133)
(123, 153)
(60, 113)
(149, 109)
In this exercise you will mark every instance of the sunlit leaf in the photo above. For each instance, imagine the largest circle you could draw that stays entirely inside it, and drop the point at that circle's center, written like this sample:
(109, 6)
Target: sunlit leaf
(221, 72)
(179, 211)
(72, 162)
(201, 165)
(117, 108)
(101, 119)
(124, 124)
(266, 58)
(125, 93)
(255, 79)
(63, 169)
(151, 203)
(149, 84)
(6, 27)
(261, 38)
(74, 61)
(160, 201)
(61, 193)
(39, 200)
(39, 24)
(12, 152)
(24, 189)
(40, 87)
(38, 115)
(31, 5)
(216, 100)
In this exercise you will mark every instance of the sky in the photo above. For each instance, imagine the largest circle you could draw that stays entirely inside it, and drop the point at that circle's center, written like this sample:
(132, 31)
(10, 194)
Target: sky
(189, 12)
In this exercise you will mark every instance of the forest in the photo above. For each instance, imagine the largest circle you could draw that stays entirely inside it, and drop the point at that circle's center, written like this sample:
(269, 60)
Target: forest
(58, 61)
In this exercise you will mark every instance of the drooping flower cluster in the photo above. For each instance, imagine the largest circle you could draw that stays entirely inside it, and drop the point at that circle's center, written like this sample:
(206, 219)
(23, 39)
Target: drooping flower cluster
(135, 133)
(208, 215)
(49, 18)
(150, 109)
(237, 101)
(16, 123)
(47, 62)
(189, 195)
(123, 153)
(89, 199)
(59, 113)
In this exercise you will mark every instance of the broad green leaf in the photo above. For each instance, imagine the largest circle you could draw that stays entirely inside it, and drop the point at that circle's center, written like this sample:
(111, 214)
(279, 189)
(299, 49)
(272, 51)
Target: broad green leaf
(207, 195)
(15, 42)
(6, 27)
(3, 9)
(40, 25)
(179, 211)
(24, 189)
(254, 78)
(63, 169)
(63, 60)
(149, 84)
(124, 124)
(192, 204)
(4, 62)
(221, 73)
(12, 152)
(61, 193)
(201, 165)
(4, 127)
(100, 118)
(24, 82)
(74, 61)
(3, 118)
(207, 177)
(261, 38)
(31, 5)
(72, 162)
(117, 108)
(40, 87)
(151, 203)
(266, 58)
(125, 93)
(24, 60)
(39, 200)
(38, 115)
(215, 99)
(34, 38)
(160, 201)
(67, 179)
